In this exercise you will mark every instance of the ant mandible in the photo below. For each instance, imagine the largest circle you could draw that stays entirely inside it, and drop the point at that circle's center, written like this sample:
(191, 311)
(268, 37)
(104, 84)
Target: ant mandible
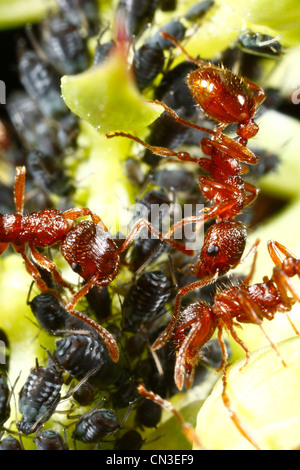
(87, 247)
(226, 98)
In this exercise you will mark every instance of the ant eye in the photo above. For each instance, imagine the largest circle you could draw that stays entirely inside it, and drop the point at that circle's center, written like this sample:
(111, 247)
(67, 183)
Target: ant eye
(212, 250)
(76, 268)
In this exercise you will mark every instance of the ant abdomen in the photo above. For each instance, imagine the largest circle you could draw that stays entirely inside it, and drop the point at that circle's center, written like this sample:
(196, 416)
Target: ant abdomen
(222, 95)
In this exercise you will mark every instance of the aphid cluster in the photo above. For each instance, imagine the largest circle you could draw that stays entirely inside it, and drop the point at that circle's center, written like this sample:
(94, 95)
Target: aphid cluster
(154, 328)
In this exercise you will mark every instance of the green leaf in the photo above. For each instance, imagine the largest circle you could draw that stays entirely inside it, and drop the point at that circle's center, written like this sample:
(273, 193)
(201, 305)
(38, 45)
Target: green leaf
(283, 15)
(19, 12)
(107, 98)
(264, 395)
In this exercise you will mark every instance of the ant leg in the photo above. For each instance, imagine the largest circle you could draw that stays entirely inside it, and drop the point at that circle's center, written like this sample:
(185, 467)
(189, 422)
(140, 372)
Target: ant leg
(19, 188)
(199, 62)
(223, 348)
(273, 248)
(103, 333)
(84, 290)
(75, 213)
(32, 269)
(250, 309)
(253, 192)
(237, 150)
(229, 326)
(166, 334)
(252, 250)
(181, 223)
(209, 213)
(184, 121)
(50, 266)
(161, 151)
(140, 224)
(284, 284)
(293, 268)
(181, 363)
(186, 427)
(232, 414)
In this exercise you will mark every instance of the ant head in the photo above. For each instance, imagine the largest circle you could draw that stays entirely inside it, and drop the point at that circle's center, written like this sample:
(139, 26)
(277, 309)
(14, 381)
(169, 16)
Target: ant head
(89, 251)
(222, 249)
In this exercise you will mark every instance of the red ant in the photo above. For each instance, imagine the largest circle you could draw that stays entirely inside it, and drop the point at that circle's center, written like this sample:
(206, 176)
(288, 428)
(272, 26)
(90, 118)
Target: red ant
(234, 305)
(226, 98)
(87, 247)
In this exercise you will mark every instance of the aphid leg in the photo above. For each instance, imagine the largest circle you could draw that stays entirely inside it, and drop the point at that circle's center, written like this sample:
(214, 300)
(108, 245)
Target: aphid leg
(237, 422)
(166, 334)
(89, 412)
(50, 266)
(76, 387)
(250, 309)
(19, 189)
(188, 430)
